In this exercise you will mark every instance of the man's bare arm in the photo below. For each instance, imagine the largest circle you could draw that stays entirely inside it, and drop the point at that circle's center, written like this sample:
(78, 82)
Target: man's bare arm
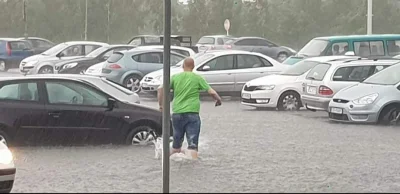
(215, 95)
(160, 96)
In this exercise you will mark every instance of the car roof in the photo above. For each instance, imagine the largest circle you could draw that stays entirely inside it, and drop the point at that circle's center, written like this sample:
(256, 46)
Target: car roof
(119, 45)
(357, 62)
(85, 42)
(227, 52)
(358, 37)
(162, 46)
(218, 36)
(144, 50)
(75, 77)
(23, 38)
(330, 58)
(9, 39)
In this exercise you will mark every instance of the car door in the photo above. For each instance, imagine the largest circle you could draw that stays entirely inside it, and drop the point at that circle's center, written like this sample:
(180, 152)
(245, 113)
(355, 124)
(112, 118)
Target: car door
(249, 67)
(23, 110)
(219, 73)
(78, 112)
(265, 47)
(246, 45)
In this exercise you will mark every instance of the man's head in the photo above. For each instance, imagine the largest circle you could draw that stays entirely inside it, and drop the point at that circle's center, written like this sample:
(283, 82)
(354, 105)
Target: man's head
(336, 48)
(188, 64)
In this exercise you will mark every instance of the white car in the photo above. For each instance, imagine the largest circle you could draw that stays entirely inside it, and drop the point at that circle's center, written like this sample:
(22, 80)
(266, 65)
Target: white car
(95, 70)
(178, 49)
(283, 90)
(7, 169)
(44, 62)
(225, 71)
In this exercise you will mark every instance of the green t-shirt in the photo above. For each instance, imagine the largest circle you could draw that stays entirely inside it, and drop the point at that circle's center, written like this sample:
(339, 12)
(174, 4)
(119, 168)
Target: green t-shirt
(187, 87)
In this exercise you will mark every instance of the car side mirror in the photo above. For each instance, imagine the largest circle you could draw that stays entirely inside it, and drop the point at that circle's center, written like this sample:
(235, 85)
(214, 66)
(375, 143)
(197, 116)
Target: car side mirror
(59, 55)
(206, 68)
(350, 53)
(111, 103)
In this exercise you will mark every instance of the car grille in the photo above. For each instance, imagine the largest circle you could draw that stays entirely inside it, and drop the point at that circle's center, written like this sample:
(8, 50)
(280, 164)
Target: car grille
(105, 71)
(148, 79)
(341, 117)
(6, 185)
(340, 101)
(249, 88)
(252, 101)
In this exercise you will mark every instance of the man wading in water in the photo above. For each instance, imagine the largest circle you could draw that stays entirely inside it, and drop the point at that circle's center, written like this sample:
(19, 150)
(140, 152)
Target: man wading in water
(186, 106)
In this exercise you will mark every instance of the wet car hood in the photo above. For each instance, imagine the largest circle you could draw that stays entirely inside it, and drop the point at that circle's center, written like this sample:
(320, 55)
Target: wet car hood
(44, 58)
(360, 90)
(275, 79)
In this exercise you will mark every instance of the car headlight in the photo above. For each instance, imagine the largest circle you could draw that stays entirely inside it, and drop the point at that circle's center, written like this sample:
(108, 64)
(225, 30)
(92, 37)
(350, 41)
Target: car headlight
(70, 65)
(6, 156)
(31, 63)
(366, 99)
(265, 87)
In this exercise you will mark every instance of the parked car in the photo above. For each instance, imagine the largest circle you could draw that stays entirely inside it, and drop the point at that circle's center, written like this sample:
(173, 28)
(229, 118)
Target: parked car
(79, 65)
(225, 71)
(7, 168)
(212, 42)
(326, 79)
(188, 52)
(375, 100)
(260, 45)
(44, 62)
(145, 40)
(376, 46)
(128, 68)
(39, 45)
(58, 109)
(95, 70)
(12, 52)
(283, 91)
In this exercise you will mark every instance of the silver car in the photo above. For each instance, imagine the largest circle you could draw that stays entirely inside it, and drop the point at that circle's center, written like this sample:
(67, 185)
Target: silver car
(7, 168)
(214, 42)
(44, 62)
(326, 79)
(375, 100)
(225, 71)
(128, 67)
(177, 49)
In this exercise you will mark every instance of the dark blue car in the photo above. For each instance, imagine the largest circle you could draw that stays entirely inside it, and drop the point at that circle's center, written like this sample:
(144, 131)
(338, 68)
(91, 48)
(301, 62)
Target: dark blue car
(12, 52)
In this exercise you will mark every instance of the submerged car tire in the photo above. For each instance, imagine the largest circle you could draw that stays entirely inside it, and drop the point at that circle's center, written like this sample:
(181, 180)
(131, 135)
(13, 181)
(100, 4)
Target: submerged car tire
(289, 101)
(141, 135)
(389, 114)
(132, 82)
(4, 138)
(46, 70)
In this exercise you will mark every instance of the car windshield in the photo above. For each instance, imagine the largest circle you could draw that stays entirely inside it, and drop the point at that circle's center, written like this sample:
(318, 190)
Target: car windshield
(313, 48)
(116, 90)
(97, 52)
(199, 58)
(206, 40)
(55, 49)
(388, 76)
(300, 68)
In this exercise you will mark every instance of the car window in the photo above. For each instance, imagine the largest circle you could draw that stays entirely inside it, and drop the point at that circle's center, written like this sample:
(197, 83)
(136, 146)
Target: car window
(115, 57)
(264, 43)
(90, 48)
(247, 42)
(266, 62)
(393, 47)
(71, 51)
(318, 72)
(338, 48)
(40, 43)
(221, 63)
(62, 92)
(175, 59)
(354, 73)
(220, 41)
(154, 57)
(20, 92)
(136, 41)
(248, 61)
(152, 40)
(366, 48)
(19, 45)
(206, 40)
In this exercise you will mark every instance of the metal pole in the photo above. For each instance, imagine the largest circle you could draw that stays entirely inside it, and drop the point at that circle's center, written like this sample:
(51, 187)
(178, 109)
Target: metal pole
(369, 17)
(86, 14)
(25, 21)
(108, 21)
(166, 92)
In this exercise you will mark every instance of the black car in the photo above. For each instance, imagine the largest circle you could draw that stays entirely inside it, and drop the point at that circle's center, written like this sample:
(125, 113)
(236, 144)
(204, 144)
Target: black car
(80, 65)
(79, 109)
(39, 45)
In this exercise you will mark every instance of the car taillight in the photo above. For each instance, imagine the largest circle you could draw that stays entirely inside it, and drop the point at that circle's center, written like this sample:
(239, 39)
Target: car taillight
(228, 46)
(323, 90)
(114, 66)
(8, 49)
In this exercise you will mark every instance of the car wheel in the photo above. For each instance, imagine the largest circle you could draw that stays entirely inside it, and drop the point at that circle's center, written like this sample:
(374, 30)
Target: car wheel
(142, 135)
(132, 82)
(3, 66)
(289, 101)
(390, 115)
(282, 56)
(46, 70)
(4, 137)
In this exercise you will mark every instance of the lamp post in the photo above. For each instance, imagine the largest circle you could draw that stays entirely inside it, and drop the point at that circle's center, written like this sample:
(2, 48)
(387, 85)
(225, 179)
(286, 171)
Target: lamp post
(86, 17)
(369, 17)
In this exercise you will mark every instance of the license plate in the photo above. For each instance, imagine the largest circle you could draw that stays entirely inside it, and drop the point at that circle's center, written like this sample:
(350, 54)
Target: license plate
(337, 110)
(311, 89)
(246, 96)
(144, 85)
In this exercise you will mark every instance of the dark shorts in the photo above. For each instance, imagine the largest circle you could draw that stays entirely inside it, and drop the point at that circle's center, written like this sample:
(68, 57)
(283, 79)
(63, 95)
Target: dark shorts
(189, 124)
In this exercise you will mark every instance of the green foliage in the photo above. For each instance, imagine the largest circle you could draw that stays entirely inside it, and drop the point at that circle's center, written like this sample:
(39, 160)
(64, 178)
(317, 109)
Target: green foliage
(288, 22)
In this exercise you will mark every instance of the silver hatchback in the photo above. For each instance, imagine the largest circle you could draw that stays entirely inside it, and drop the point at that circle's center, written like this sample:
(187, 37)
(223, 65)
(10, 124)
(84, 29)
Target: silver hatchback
(326, 79)
(375, 100)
